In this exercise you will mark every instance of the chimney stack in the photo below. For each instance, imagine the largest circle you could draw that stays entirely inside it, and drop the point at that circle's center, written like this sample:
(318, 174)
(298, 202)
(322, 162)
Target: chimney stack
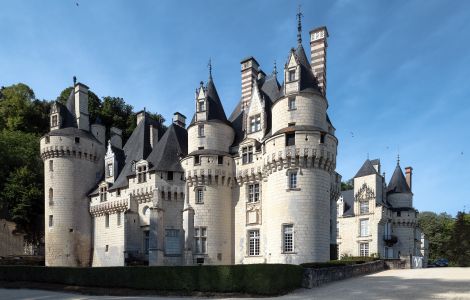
(409, 176)
(318, 45)
(179, 119)
(140, 116)
(153, 135)
(116, 137)
(81, 106)
(250, 70)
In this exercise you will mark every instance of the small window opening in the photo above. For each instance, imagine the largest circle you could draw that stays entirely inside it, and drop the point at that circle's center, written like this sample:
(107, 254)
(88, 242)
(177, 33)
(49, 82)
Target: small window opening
(290, 139)
(77, 140)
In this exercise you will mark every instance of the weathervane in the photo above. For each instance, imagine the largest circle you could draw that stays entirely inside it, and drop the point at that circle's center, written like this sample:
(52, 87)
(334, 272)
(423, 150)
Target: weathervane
(210, 68)
(74, 80)
(275, 68)
(299, 26)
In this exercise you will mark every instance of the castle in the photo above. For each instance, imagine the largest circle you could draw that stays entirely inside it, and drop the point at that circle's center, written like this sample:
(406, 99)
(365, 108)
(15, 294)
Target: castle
(375, 218)
(258, 186)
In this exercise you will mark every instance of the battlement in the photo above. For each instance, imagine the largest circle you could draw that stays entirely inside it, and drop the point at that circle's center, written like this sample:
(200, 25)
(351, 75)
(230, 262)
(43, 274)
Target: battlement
(76, 147)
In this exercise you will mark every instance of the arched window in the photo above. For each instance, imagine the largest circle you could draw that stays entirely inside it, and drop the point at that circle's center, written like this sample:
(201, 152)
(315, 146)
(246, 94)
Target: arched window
(146, 211)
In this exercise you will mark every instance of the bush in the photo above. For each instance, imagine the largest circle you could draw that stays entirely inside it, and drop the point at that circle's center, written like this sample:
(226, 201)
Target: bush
(268, 279)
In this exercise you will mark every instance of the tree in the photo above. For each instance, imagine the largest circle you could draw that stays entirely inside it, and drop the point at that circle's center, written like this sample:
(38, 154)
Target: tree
(459, 242)
(437, 229)
(15, 107)
(94, 102)
(348, 185)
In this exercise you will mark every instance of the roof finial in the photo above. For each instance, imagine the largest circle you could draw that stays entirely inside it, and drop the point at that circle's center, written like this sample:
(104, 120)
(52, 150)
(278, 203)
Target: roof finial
(367, 155)
(74, 80)
(210, 68)
(398, 159)
(275, 68)
(299, 26)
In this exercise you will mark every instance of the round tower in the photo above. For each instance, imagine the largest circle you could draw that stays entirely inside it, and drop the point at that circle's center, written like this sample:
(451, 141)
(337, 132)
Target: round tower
(209, 173)
(73, 163)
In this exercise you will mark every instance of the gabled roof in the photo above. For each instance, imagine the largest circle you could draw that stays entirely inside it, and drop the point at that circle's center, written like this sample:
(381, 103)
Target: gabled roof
(166, 154)
(398, 183)
(366, 169)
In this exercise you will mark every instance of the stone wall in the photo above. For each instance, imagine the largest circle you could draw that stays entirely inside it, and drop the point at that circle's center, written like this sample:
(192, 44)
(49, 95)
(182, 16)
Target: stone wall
(317, 277)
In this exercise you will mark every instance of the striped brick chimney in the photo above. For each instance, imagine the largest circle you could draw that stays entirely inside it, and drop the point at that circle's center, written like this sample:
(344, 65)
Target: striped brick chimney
(250, 70)
(318, 45)
(409, 176)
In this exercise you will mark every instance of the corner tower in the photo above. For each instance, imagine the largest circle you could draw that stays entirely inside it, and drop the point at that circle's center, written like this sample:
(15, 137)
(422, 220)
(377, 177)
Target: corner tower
(209, 170)
(73, 164)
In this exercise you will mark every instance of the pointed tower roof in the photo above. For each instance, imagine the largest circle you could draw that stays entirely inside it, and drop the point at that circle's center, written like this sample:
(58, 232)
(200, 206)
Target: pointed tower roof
(166, 155)
(216, 110)
(398, 183)
(366, 169)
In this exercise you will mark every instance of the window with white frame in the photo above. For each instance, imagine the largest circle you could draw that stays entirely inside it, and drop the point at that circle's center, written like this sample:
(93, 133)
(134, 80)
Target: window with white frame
(199, 195)
(141, 174)
(253, 242)
(364, 227)
(119, 216)
(51, 220)
(109, 170)
(292, 177)
(292, 103)
(172, 242)
(51, 165)
(255, 123)
(54, 121)
(51, 196)
(200, 130)
(247, 154)
(202, 105)
(200, 239)
(103, 193)
(364, 207)
(106, 220)
(291, 75)
(288, 238)
(253, 192)
(364, 249)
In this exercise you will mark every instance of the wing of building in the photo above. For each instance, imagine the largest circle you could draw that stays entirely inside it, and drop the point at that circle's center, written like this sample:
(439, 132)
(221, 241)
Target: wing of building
(258, 186)
(375, 218)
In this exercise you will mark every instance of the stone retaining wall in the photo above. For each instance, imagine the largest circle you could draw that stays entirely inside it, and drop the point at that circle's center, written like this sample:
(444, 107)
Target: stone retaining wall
(317, 277)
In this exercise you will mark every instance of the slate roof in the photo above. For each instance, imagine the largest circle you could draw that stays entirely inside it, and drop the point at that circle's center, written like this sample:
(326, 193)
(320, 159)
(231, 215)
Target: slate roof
(214, 105)
(72, 131)
(348, 200)
(366, 169)
(167, 153)
(398, 183)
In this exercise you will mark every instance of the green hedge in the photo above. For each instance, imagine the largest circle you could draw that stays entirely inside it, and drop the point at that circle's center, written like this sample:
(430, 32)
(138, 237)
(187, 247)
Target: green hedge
(268, 279)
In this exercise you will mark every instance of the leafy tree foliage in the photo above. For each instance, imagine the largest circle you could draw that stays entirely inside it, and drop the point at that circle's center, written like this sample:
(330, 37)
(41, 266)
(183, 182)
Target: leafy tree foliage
(459, 242)
(437, 229)
(348, 185)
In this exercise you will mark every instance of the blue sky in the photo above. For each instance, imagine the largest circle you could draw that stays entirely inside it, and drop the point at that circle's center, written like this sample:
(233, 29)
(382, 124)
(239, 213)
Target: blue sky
(398, 71)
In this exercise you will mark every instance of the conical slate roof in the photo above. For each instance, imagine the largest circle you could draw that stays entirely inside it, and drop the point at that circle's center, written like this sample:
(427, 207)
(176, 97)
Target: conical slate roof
(166, 154)
(398, 183)
(216, 110)
(366, 169)
(307, 79)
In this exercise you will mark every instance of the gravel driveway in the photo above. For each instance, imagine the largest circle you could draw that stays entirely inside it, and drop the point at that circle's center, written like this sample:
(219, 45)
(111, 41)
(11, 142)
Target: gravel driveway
(435, 283)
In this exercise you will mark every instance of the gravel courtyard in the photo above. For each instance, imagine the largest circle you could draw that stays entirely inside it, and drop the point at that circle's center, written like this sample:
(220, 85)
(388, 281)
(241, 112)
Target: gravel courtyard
(436, 283)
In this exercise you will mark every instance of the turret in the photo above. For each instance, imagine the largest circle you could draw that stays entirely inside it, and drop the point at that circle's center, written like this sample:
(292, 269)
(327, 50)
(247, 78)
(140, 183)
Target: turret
(73, 164)
(398, 191)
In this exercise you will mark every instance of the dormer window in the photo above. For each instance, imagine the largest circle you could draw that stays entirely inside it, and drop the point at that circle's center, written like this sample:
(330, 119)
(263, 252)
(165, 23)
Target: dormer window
(255, 123)
(109, 170)
(103, 192)
(247, 154)
(201, 106)
(141, 174)
(200, 130)
(291, 75)
(54, 121)
(170, 175)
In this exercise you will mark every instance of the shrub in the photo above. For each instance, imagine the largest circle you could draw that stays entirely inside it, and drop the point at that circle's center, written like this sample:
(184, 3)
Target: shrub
(268, 279)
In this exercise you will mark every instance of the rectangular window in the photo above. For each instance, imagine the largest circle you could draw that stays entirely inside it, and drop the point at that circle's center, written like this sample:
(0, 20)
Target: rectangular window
(364, 249)
(109, 170)
(146, 241)
(200, 239)
(247, 154)
(51, 220)
(103, 194)
(119, 218)
(293, 179)
(255, 123)
(141, 174)
(220, 160)
(398, 213)
(77, 140)
(200, 130)
(199, 196)
(48, 139)
(54, 121)
(170, 175)
(172, 242)
(253, 192)
(364, 227)
(322, 138)
(364, 207)
(197, 159)
(290, 139)
(291, 75)
(118, 192)
(253, 248)
(292, 103)
(202, 106)
(51, 165)
(288, 238)
(106, 220)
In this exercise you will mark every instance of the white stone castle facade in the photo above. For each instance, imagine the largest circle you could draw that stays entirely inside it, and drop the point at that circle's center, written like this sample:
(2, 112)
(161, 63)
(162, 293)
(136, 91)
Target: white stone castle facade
(258, 186)
(378, 219)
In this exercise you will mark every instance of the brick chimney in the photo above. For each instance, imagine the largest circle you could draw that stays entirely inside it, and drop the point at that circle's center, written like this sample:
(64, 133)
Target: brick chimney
(318, 45)
(409, 175)
(250, 70)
